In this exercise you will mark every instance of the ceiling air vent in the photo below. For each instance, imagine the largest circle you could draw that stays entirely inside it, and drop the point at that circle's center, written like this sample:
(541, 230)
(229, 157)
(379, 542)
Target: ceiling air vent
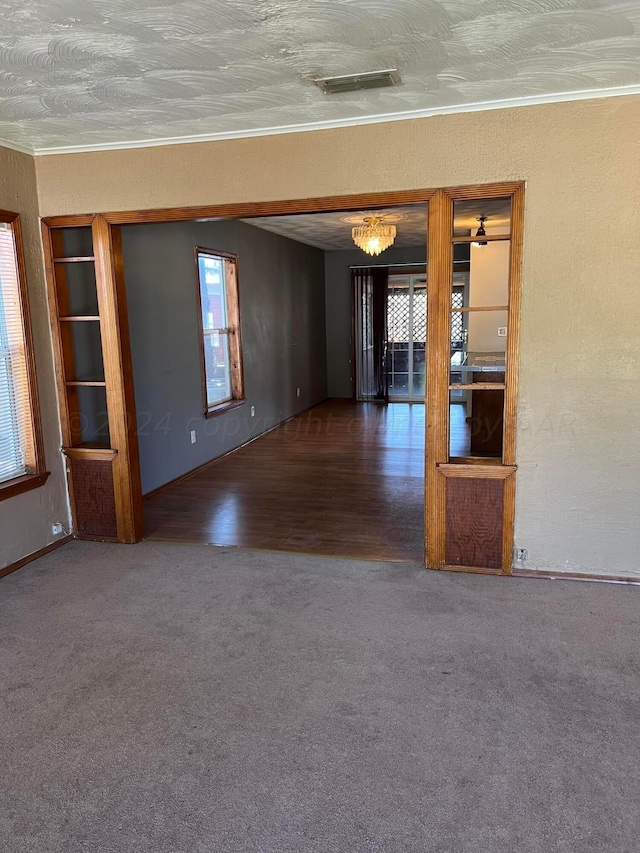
(355, 82)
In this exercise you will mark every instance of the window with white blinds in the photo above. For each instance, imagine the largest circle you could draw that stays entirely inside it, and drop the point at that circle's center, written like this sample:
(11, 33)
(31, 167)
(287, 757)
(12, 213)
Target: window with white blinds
(17, 451)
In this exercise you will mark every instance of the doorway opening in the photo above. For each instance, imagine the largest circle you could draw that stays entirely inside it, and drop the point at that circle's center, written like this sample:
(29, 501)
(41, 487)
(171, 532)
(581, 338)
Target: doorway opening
(470, 365)
(298, 464)
(407, 337)
(390, 322)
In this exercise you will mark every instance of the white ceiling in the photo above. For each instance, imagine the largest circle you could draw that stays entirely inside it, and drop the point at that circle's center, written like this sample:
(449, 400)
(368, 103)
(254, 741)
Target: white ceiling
(78, 73)
(333, 230)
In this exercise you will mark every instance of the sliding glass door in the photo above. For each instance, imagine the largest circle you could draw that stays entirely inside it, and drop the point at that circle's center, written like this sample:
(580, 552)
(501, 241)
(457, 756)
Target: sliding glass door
(406, 337)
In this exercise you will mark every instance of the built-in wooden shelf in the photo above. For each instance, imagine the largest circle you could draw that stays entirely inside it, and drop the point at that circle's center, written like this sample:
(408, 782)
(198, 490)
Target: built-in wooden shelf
(476, 461)
(478, 386)
(104, 487)
(78, 259)
(79, 318)
(487, 238)
(492, 470)
(463, 309)
(96, 452)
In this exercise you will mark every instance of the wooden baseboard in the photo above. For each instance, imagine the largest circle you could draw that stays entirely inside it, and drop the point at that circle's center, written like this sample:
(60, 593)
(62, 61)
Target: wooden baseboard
(13, 567)
(90, 537)
(471, 570)
(574, 576)
(195, 470)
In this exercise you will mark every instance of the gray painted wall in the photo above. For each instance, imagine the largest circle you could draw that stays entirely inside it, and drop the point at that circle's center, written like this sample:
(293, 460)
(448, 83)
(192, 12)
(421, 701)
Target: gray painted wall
(283, 335)
(338, 308)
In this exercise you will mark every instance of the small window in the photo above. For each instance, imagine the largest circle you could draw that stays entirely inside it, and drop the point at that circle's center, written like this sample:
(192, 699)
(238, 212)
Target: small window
(220, 325)
(21, 457)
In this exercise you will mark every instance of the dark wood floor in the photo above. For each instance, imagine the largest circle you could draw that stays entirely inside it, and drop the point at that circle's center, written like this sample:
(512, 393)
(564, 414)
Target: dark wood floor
(344, 479)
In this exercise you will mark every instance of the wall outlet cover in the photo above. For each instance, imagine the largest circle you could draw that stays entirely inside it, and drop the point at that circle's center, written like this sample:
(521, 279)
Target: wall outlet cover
(57, 528)
(502, 331)
(193, 436)
(253, 411)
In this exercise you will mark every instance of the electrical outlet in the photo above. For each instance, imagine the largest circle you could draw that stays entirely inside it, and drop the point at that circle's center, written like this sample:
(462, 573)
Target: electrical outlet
(297, 392)
(193, 436)
(502, 331)
(57, 529)
(253, 411)
(521, 554)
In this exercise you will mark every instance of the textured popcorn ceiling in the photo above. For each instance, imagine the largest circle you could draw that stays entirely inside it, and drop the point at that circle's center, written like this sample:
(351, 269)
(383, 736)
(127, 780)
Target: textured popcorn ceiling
(102, 72)
(332, 231)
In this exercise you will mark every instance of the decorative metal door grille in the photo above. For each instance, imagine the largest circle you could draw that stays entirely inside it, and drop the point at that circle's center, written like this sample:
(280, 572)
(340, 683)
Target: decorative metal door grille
(457, 319)
(398, 314)
(420, 315)
(406, 337)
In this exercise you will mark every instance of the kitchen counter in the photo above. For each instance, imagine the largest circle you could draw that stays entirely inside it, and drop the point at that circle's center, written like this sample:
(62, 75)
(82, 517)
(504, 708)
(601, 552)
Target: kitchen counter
(478, 362)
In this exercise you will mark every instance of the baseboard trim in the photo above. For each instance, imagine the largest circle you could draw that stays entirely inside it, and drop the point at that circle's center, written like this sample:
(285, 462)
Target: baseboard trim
(471, 570)
(575, 576)
(215, 459)
(13, 567)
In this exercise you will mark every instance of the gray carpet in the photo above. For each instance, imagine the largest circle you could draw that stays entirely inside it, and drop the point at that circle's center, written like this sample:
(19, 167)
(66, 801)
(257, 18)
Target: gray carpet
(194, 699)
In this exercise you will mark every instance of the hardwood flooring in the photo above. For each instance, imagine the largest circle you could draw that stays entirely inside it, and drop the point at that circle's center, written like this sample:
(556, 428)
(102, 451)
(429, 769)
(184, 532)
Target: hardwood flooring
(459, 431)
(343, 479)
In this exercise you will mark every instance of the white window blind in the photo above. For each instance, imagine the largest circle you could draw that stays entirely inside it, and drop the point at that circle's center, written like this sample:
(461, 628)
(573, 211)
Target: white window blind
(16, 434)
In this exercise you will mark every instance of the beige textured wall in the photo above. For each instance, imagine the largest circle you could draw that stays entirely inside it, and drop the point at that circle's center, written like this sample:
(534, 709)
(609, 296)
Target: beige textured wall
(25, 520)
(578, 499)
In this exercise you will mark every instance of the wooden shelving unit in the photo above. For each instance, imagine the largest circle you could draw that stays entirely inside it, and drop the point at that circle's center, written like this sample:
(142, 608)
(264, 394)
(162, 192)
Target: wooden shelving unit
(80, 319)
(94, 379)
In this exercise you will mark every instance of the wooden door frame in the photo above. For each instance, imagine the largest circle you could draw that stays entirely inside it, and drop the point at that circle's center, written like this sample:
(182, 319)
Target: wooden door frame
(439, 284)
(439, 267)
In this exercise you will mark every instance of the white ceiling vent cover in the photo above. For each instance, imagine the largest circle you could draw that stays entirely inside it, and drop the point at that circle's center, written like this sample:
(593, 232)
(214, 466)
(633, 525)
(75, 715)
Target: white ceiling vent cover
(356, 82)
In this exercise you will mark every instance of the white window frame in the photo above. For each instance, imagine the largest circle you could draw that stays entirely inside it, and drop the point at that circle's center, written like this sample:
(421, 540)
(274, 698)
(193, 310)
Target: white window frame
(21, 452)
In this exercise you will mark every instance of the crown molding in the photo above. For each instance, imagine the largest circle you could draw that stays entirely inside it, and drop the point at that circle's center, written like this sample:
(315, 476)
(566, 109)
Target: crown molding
(529, 101)
(13, 146)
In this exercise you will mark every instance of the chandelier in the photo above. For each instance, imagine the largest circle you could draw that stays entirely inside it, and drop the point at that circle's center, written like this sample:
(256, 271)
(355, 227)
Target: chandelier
(374, 236)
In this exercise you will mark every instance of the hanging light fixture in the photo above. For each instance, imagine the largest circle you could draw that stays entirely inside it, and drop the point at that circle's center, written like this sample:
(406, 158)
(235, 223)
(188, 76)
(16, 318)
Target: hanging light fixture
(374, 236)
(481, 232)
